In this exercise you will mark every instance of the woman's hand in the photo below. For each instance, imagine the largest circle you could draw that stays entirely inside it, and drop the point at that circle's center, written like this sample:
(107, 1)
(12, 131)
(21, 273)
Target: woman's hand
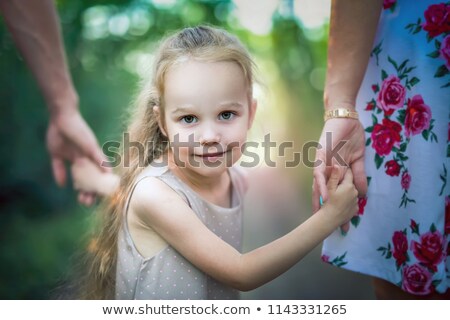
(349, 133)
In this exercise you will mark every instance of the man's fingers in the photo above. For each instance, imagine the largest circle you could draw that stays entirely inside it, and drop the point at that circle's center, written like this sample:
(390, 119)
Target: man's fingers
(59, 171)
(89, 148)
(80, 134)
(359, 177)
(98, 157)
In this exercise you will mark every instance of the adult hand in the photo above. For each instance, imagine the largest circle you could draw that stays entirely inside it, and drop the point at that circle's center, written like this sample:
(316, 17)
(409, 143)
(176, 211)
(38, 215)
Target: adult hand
(352, 153)
(68, 138)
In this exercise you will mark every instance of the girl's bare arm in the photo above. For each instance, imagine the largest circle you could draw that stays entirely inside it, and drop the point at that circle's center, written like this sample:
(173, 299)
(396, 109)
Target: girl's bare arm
(158, 206)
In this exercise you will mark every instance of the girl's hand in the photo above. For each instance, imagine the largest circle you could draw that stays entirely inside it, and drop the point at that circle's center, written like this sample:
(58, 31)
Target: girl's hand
(343, 198)
(88, 178)
(86, 175)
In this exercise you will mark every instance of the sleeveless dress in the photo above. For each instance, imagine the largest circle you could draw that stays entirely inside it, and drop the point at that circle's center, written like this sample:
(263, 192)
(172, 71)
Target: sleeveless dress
(401, 232)
(168, 275)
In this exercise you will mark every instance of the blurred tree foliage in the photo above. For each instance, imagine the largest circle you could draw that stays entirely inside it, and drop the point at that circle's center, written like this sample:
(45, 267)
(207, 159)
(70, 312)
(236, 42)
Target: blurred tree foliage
(107, 41)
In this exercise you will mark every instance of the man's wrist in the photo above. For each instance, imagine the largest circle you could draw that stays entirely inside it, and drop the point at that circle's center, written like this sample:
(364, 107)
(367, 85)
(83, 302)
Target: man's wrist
(63, 103)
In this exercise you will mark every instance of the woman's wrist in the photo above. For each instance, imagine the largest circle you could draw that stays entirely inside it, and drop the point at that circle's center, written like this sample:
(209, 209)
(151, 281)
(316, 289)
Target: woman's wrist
(334, 98)
(329, 217)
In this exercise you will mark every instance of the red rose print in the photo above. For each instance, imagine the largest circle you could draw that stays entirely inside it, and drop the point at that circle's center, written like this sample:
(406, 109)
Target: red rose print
(392, 168)
(325, 258)
(370, 106)
(361, 205)
(392, 95)
(445, 51)
(416, 280)
(400, 247)
(437, 19)
(447, 215)
(387, 4)
(385, 136)
(418, 116)
(406, 180)
(431, 249)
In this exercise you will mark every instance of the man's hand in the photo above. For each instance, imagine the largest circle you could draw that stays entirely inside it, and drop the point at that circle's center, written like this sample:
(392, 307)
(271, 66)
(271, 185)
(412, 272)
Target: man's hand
(68, 138)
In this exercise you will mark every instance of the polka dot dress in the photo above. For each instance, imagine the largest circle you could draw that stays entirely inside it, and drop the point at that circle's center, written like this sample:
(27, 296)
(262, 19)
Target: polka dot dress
(168, 275)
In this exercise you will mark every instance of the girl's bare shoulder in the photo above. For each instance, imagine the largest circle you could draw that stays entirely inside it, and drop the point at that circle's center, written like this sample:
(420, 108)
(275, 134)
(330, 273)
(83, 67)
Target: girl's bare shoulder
(152, 198)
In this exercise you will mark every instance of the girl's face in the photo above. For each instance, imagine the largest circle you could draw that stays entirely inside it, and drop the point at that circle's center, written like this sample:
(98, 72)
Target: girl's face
(207, 114)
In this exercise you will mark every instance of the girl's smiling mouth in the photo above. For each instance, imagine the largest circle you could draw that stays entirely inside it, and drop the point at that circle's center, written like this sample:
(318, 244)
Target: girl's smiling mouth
(212, 156)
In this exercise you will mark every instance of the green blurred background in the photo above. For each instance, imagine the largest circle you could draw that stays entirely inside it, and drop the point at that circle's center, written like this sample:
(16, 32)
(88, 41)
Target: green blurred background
(109, 43)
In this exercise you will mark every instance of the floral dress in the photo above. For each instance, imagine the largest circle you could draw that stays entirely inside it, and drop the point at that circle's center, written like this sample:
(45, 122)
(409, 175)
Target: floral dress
(402, 231)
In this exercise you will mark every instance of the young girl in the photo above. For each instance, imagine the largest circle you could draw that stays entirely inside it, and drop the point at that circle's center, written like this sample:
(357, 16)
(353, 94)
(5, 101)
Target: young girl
(172, 229)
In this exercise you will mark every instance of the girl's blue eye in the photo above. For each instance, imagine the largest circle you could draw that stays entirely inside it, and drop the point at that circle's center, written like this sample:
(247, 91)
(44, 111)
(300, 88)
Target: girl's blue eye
(227, 115)
(189, 119)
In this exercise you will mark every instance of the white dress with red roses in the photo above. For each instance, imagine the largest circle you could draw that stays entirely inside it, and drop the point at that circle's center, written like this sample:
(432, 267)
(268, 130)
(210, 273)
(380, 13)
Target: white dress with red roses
(401, 233)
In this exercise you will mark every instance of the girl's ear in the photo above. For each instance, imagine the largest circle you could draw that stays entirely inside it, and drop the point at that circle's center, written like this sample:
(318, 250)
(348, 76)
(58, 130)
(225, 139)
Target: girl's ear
(157, 112)
(252, 112)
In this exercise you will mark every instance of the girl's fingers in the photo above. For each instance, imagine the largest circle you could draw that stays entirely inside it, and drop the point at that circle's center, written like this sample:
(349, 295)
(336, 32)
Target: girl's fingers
(335, 176)
(85, 198)
(91, 199)
(348, 177)
(315, 197)
(319, 187)
(81, 197)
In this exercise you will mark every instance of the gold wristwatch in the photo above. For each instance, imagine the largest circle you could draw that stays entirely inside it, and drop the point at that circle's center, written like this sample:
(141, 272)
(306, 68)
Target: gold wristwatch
(340, 113)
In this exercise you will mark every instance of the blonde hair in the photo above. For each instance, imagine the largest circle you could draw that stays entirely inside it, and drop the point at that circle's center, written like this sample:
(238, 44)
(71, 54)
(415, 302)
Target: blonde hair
(202, 43)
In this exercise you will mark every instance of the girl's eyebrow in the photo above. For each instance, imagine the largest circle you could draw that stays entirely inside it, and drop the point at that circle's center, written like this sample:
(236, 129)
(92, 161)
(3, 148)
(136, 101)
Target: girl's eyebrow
(184, 109)
(232, 104)
(191, 109)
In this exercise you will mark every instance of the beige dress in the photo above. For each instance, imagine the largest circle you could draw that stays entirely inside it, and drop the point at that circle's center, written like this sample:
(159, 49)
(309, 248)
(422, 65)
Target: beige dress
(168, 275)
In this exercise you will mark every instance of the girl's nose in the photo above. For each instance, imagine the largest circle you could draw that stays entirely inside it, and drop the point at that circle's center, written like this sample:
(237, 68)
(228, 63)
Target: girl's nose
(209, 136)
